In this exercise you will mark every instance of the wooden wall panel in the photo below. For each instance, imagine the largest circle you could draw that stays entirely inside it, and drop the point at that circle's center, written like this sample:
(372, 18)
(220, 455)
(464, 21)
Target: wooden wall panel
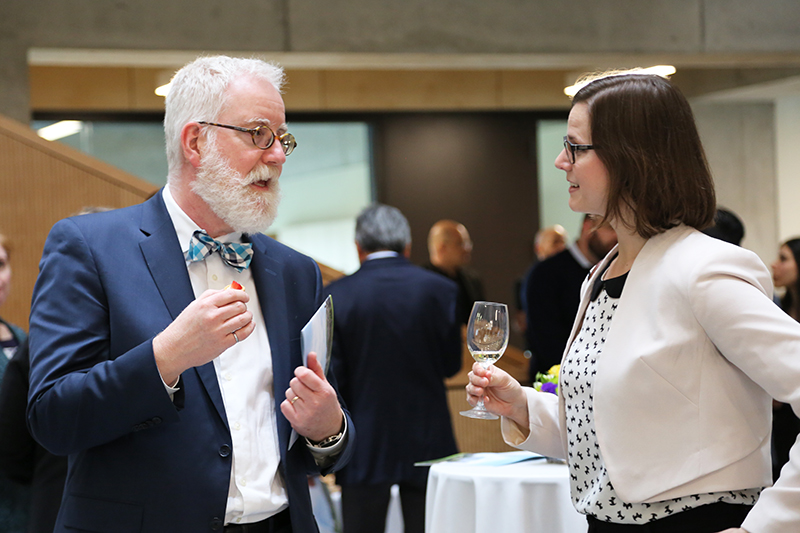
(142, 87)
(411, 90)
(43, 182)
(519, 89)
(304, 90)
(86, 89)
(312, 90)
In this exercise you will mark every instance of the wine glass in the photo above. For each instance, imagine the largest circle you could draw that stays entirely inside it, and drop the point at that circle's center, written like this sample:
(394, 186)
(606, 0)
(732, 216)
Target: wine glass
(487, 338)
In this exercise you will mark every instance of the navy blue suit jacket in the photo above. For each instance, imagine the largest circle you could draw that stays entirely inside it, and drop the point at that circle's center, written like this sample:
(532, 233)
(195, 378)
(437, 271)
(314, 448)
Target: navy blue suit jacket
(553, 292)
(395, 340)
(139, 462)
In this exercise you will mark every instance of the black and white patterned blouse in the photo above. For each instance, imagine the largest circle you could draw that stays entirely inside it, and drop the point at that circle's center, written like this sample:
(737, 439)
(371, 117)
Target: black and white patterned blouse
(591, 489)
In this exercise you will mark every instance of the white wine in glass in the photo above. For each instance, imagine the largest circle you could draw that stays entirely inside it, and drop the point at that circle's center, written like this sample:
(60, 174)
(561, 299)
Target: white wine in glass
(487, 338)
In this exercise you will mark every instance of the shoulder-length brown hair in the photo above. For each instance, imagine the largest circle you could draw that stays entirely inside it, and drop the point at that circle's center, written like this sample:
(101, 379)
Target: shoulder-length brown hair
(644, 132)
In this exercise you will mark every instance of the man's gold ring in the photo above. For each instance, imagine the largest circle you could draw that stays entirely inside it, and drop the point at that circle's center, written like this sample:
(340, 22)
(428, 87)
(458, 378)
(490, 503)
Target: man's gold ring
(294, 400)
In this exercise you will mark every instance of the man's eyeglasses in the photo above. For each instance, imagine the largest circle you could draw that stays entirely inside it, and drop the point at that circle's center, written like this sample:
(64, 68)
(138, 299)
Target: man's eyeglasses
(572, 148)
(263, 137)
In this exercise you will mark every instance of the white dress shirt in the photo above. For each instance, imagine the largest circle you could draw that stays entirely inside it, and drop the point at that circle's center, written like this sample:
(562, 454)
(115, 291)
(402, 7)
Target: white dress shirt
(244, 372)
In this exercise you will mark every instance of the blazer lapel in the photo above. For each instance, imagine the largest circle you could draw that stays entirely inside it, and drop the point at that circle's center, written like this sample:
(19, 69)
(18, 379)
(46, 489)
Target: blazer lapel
(268, 278)
(164, 257)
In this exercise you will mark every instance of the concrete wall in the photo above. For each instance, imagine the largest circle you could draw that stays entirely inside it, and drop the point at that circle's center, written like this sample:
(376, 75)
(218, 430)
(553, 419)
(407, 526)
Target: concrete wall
(787, 152)
(739, 139)
(671, 29)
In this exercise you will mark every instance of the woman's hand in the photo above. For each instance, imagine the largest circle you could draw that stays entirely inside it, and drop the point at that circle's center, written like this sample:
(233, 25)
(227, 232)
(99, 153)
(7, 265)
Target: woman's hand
(502, 394)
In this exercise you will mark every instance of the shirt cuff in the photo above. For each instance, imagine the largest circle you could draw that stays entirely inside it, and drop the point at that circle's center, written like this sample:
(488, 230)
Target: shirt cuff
(171, 390)
(334, 448)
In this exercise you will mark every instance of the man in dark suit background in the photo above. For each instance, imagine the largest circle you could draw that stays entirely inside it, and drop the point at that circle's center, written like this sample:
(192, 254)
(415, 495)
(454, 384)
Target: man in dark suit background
(395, 340)
(450, 252)
(552, 294)
(173, 395)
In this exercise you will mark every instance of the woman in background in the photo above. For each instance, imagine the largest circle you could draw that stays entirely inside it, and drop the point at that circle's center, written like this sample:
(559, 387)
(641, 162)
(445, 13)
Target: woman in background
(11, 336)
(665, 386)
(14, 498)
(785, 424)
(785, 276)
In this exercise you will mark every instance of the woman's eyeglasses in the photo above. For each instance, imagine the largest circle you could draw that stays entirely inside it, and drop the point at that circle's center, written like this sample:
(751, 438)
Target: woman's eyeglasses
(572, 148)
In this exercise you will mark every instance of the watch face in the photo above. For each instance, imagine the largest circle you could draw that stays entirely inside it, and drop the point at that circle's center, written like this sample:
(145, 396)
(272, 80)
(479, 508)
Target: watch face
(329, 441)
(326, 442)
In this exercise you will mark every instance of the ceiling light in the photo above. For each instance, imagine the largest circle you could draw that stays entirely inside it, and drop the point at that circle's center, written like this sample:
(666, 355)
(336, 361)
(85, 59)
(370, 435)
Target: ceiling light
(59, 130)
(659, 70)
(163, 90)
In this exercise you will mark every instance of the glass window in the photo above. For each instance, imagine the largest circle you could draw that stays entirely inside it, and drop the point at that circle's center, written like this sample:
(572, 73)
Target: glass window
(553, 190)
(326, 181)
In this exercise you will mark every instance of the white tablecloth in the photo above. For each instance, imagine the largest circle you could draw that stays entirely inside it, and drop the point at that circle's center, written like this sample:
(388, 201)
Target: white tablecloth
(525, 497)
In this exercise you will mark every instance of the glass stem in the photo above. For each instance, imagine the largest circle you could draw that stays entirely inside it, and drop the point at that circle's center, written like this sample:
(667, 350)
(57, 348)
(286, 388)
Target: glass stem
(480, 406)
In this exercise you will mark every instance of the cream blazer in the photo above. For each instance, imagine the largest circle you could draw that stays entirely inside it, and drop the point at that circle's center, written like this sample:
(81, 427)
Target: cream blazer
(683, 390)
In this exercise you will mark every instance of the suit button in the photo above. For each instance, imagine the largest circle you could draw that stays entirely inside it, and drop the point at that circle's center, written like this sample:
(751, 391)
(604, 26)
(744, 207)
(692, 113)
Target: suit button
(216, 524)
(224, 450)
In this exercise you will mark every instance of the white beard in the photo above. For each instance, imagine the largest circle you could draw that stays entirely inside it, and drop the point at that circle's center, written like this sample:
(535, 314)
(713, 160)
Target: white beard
(229, 195)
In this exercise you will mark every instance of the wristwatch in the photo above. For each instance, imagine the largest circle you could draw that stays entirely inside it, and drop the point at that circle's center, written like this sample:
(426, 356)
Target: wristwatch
(327, 442)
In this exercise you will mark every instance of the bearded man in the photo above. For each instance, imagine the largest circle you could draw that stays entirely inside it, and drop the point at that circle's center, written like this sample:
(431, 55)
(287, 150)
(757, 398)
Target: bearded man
(173, 395)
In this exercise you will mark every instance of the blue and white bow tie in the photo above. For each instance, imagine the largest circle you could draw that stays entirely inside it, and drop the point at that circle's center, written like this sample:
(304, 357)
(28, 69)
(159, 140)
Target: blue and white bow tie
(236, 254)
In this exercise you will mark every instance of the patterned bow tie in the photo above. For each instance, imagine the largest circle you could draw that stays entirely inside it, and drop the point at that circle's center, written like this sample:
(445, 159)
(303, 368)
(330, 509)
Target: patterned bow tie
(236, 254)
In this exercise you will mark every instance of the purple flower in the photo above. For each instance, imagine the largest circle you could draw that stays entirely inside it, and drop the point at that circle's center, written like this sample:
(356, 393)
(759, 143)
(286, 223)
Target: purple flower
(549, 387)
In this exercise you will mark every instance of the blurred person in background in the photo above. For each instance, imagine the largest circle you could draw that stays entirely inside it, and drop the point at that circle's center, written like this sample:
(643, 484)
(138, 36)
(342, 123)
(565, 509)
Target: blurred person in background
(450, 252)
(22, 458)
(14, 497)
(552, 293)
(727, 227)
(547, 242)
(785, 424)
(395, 330)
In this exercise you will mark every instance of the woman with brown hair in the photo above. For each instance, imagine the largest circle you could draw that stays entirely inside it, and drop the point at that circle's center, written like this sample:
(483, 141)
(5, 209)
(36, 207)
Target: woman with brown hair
(664, 402)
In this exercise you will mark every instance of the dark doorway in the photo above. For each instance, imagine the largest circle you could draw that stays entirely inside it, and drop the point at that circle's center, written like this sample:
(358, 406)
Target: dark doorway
(476, 168)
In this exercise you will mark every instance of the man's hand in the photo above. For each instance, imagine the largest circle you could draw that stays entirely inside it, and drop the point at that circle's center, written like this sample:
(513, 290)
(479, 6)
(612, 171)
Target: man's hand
(311, 404)
(202, 332)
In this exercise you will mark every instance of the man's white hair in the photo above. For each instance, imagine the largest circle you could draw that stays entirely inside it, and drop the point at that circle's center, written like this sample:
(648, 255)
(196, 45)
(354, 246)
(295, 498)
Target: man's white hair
(197, 92)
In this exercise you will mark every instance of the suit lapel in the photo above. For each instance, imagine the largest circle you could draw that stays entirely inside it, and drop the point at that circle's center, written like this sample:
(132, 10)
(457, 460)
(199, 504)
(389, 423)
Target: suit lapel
(268, 278)
(162, 253)
(164, 257)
